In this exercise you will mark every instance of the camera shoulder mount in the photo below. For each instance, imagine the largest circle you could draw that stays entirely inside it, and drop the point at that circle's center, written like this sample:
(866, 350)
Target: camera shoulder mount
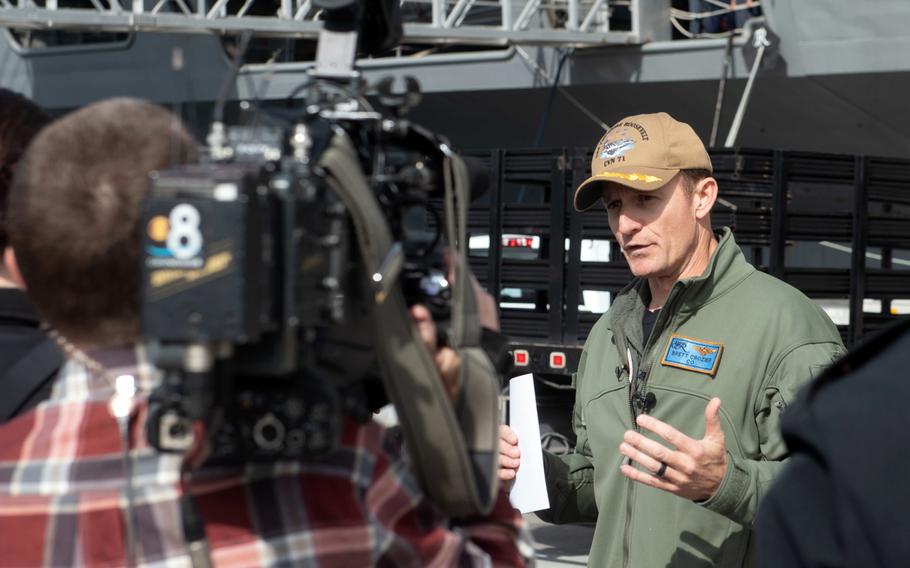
(454, 449)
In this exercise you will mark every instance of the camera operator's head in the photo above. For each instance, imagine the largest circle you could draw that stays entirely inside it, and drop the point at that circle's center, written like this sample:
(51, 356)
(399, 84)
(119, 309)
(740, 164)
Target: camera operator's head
(74, 209)
(20, 121)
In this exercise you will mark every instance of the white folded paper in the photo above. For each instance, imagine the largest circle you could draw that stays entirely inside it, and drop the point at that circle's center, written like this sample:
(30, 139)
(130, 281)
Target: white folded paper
(529, 492)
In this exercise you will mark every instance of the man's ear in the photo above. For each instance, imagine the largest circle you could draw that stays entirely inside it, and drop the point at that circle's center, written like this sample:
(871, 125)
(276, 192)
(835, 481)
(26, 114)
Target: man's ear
(12, 267)
(705, 195)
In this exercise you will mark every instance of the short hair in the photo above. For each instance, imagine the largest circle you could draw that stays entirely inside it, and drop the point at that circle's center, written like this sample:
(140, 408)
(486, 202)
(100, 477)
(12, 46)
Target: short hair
(74, 214)
(691, 179)
(20, 121)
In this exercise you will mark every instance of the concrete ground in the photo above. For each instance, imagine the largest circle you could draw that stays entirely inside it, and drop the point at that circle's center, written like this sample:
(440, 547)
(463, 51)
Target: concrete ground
(560, 546)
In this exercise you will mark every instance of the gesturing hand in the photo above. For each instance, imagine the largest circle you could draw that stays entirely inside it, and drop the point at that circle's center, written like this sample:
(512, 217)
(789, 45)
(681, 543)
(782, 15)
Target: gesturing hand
(694, 469)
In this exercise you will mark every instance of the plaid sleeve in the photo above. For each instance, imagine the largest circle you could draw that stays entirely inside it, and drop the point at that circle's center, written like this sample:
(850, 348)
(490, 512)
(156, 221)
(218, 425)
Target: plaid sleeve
(62, 500)
(501, 535)
(413, 524)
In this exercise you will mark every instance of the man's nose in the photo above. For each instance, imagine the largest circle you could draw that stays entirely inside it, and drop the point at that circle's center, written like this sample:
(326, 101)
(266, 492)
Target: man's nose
(627, 225)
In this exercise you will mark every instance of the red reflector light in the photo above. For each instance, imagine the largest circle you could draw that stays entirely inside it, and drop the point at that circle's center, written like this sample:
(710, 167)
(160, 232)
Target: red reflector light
(558, 360)
(521, 358)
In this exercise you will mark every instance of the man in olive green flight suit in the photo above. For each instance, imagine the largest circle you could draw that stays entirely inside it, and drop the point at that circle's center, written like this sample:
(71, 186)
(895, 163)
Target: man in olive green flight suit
(681, 383)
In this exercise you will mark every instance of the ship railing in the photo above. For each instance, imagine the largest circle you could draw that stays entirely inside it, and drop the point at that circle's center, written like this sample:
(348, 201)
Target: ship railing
(483, 22)
(714, 18)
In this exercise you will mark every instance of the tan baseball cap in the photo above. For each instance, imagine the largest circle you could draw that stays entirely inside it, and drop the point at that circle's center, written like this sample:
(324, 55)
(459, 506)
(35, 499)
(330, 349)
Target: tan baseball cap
(642, 152)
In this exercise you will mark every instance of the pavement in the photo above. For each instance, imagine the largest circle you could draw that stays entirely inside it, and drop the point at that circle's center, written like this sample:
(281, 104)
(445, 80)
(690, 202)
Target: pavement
(560, 546)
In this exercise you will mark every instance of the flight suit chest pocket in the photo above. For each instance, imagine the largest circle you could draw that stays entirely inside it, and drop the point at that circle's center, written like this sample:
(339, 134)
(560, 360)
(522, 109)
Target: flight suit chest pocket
(607, 379)
(605, 416)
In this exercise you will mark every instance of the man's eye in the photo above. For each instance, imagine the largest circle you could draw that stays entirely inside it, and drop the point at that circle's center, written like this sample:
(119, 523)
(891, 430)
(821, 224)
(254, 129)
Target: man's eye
(610, 205)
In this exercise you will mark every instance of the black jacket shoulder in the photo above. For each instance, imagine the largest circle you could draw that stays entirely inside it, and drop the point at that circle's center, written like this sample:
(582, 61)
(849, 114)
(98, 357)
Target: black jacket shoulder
(843, 498)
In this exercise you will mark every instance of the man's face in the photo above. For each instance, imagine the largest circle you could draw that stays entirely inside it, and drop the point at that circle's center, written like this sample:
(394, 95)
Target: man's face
(655, 229)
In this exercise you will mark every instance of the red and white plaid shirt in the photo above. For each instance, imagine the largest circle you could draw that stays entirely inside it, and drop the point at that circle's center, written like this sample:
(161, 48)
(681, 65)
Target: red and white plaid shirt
(63, 496)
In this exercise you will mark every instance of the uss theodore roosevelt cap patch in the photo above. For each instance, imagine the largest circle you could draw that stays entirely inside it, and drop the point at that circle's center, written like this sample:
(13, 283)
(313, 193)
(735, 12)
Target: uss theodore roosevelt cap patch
(642, 152)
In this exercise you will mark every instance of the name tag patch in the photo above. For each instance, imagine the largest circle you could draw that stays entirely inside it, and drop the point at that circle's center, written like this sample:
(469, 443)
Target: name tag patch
(693, 354)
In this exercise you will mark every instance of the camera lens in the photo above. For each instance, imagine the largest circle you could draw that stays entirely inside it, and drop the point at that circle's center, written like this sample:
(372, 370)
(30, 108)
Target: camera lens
(268, 433)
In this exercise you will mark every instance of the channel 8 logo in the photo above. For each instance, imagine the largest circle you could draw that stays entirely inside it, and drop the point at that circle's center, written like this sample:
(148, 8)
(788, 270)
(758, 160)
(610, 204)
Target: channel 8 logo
(179, 232)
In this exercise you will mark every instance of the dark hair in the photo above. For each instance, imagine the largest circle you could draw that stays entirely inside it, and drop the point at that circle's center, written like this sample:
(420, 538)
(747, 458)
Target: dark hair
(692, 177)
(20, 121)
(74, 214)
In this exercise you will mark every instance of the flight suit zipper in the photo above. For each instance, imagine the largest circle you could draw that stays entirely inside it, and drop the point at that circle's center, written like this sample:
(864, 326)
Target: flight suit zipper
(636, 389)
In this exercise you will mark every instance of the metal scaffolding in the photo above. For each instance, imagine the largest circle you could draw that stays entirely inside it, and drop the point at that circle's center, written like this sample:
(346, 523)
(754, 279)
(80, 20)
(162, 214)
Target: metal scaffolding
(480, 22)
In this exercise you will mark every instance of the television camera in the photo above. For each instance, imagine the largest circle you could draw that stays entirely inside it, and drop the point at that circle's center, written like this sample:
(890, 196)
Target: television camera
(277, 277)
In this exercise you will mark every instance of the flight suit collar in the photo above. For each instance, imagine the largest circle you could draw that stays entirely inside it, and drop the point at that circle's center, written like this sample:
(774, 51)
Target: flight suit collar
(726, 269)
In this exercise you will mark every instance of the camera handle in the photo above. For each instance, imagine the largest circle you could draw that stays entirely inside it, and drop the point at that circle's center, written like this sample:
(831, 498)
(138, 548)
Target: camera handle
(454, 450)
(176, 408)
(183, 398)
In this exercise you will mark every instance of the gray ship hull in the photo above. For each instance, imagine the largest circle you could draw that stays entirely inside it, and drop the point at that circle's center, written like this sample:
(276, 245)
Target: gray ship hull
(836, 81)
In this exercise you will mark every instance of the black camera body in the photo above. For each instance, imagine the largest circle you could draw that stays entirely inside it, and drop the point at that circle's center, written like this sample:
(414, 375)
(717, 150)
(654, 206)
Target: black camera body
(251, 262)
(248, 257)
(277, 278)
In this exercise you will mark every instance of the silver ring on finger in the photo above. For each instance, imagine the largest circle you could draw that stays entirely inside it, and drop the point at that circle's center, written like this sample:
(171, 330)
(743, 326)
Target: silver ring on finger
(662, 470)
